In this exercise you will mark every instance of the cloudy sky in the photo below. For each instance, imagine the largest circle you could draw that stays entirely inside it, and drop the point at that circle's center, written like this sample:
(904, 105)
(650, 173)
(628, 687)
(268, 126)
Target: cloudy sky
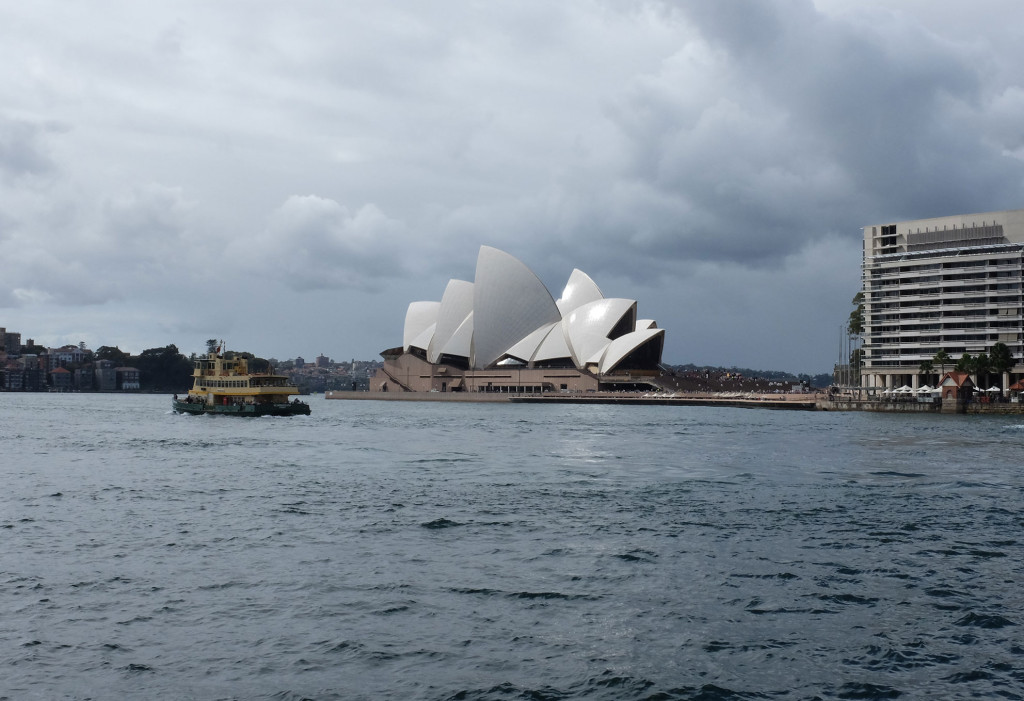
(289, 176)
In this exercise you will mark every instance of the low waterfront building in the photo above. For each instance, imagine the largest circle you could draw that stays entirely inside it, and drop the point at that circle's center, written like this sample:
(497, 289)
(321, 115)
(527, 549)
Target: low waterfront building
(957, 385)
(948, 284)
(85, 379)
(127, 378)
(105, 375)
(504, 332)
(61, 380)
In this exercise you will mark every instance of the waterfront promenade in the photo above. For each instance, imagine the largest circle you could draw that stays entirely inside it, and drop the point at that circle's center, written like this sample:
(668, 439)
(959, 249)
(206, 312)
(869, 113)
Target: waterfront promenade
(818, 401)
(806, 402)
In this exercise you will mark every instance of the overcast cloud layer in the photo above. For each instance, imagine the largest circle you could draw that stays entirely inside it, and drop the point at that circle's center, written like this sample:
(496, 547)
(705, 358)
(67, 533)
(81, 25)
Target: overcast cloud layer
(289, 176)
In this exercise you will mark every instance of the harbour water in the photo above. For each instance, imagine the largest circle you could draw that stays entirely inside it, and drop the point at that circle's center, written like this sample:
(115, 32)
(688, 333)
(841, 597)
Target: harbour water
(498, 551)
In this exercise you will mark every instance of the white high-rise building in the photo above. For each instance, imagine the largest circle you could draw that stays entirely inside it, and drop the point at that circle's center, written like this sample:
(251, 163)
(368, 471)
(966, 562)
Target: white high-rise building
(948, 283)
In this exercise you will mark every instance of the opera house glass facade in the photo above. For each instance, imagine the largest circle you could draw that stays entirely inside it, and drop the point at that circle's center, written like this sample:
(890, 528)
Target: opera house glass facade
(504, 332)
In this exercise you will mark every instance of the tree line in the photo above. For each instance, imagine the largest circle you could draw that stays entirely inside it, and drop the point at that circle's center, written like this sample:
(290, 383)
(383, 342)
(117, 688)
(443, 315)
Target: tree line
(999, 361)
(162, 369)
(166, 369)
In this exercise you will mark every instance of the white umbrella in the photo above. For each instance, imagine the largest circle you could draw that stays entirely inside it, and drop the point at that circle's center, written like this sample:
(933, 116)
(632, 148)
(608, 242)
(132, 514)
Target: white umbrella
(924, 390)
(905, 389)
(993, 389)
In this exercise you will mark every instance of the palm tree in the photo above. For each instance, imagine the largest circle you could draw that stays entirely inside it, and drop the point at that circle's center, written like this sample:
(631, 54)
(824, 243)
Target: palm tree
(941, 359)
(926, 369)
(1001, 358)
(982, 366)
(965, 364)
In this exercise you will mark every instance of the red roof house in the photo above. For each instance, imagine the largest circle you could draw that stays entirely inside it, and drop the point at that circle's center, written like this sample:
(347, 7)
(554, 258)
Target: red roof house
(956, 385)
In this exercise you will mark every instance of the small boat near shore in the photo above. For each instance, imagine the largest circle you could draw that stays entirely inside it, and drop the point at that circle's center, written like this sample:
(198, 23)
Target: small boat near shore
(222, 384)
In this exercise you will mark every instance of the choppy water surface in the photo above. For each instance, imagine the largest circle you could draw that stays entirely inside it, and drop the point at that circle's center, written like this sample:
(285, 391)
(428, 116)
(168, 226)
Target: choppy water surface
(420, 551)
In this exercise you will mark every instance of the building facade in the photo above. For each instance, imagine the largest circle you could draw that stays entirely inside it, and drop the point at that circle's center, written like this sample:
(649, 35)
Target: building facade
(127, 379)
(10, 342)
(105, 375)
(948, 284)
(67, 355)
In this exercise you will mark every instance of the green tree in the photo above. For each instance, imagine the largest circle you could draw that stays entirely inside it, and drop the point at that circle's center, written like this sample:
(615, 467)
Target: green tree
(941, 359)
(254, 364)
(113, 354)
(926, 368)
(212, 345)
(965, 364)
(1000, 358)
(163, 369)
(982, 367)
(855, 324)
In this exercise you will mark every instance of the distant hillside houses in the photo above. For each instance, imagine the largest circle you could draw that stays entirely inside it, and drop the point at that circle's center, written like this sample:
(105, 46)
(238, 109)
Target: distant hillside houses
(28, 367)
(31, 368)
(325, 374)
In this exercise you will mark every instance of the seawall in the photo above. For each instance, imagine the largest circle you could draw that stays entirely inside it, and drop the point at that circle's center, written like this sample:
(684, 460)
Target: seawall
(947, 406)
(872, 405)
(790, 402)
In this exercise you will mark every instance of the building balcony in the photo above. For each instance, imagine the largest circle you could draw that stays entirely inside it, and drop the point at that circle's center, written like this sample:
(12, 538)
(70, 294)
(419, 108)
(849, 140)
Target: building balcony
(930, 292)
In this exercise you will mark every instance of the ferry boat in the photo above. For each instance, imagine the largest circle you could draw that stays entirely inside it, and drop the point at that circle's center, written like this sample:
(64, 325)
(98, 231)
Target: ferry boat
(223, 385)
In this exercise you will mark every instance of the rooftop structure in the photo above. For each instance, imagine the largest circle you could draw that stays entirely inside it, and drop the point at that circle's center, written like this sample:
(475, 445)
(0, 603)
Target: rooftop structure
(948, 284)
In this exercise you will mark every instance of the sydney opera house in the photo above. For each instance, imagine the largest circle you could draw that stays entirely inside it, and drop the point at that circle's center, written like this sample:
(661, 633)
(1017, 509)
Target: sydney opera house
(504, 332)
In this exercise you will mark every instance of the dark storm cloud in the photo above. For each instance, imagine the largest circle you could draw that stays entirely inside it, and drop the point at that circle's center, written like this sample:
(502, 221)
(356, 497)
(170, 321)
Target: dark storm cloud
(889, 101)
(777, 124)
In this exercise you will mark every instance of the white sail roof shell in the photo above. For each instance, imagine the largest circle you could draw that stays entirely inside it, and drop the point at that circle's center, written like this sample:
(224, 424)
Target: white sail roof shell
(587, 328)
(419, 317)
(461, 342)
(456, 305)
(509, 303)
(646, 324)
(554, 345)
(527, 348)
(579, 290)
(423, 340)
(622, 346)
